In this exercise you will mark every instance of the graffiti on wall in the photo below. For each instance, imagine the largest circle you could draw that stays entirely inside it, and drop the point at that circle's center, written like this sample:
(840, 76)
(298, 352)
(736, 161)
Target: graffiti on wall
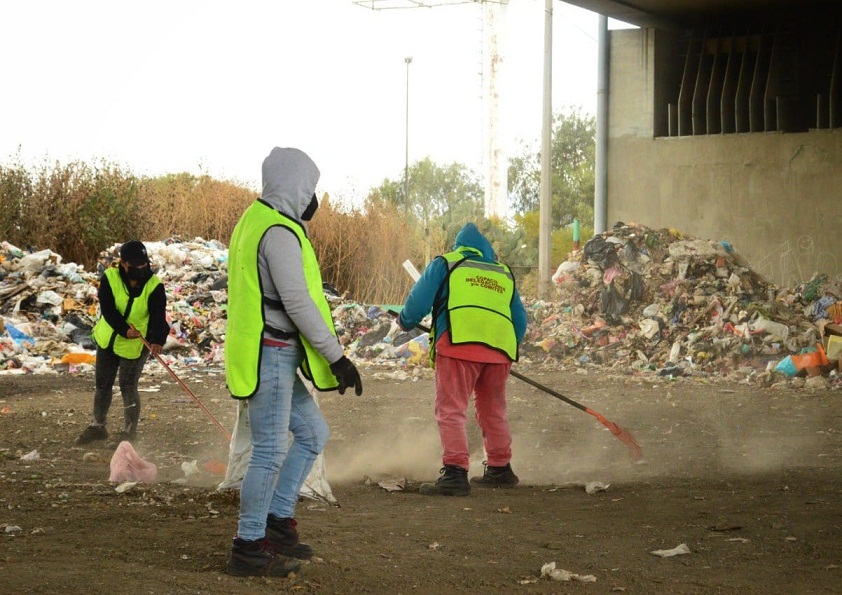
(791, 264)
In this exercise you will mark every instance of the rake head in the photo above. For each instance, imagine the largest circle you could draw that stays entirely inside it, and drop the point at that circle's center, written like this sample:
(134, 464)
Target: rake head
(635, 452)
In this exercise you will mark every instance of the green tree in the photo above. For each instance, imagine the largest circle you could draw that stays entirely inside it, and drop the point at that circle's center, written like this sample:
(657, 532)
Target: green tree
(573, 147)
(439, 198)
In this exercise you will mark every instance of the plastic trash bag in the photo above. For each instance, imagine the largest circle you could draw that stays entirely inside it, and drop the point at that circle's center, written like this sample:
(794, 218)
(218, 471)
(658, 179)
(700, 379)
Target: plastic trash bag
(612, 305)
(638, 288)
(127, 465)
(316, 486)
(600, 251)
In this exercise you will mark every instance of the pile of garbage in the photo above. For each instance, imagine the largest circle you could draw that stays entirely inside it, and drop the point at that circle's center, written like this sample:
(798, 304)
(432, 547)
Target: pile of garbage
(641, 299)
(632, 301)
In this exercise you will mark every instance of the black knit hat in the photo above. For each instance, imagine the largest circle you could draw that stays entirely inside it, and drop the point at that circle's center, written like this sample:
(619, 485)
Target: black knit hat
(134, 253)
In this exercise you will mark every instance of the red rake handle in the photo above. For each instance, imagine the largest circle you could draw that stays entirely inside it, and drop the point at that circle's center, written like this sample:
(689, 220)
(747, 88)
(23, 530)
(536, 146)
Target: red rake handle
(187, 390)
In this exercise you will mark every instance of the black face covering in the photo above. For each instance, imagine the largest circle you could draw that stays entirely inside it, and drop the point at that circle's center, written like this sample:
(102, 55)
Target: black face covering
(311, 209)
(136, 274)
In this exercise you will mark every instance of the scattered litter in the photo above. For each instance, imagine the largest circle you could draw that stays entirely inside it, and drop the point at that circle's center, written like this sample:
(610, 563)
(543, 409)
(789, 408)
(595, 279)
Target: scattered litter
(549, 570)
(127, 465)
(434, 546)
(12, 530)
(676, 551)
(31, 456)
(504, 510)
(190, 469)
(596, 486)
(393, 485)
(125, 486)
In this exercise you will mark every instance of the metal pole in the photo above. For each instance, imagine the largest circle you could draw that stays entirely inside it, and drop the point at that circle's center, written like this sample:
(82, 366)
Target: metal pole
(601, 165)
(408, 61)
(546, 203)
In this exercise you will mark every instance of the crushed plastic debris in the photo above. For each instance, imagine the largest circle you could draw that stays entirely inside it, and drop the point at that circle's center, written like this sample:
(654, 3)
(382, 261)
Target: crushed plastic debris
(128, 466)
(593, 487)
(31, 456)
(549, 570)
(678, 550)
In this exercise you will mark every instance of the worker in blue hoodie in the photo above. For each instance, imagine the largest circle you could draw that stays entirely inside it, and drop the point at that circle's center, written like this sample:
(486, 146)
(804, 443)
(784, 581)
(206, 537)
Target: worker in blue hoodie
(279, 323)
(478, 323)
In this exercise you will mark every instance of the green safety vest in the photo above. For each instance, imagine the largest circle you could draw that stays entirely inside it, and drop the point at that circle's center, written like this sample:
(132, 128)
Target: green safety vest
(138, 317)
(479, 302)
(244, 331)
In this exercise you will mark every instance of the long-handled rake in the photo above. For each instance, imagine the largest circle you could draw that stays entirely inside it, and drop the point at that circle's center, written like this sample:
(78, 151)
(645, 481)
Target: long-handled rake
(624, 435)
(187, 390)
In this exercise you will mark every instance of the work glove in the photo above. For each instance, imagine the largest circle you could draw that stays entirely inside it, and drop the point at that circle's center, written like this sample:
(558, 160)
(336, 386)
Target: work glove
(347, 375)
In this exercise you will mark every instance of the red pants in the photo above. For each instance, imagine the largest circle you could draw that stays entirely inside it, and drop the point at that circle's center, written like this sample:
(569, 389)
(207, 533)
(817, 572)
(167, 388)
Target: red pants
(456, 380)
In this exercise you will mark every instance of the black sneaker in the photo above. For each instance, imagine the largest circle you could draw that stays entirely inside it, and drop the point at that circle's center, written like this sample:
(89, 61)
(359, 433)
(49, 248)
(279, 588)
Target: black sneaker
(496, 477)
(258, 558)
(283, 535)
(92, 433)
(453, 482)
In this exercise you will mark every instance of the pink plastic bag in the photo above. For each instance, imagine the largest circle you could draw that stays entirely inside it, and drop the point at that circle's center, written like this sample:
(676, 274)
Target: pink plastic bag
(126, 465)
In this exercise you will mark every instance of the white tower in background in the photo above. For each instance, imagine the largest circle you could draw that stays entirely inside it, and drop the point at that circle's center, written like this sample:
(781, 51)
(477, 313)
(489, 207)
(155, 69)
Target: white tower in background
(495, 159)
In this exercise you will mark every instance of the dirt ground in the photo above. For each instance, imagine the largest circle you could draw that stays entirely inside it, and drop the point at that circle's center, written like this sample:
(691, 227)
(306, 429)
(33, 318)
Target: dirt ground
(749, 478)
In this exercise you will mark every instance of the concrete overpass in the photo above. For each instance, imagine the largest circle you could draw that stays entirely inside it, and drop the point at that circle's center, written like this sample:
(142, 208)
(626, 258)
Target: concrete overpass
(724, 120)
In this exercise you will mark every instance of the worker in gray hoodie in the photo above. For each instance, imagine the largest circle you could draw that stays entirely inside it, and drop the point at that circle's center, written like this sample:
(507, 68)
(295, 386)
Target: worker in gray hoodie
(279, 323)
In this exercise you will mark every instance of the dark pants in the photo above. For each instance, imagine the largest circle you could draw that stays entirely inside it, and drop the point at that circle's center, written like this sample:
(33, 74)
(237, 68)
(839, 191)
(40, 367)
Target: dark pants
(107, 366)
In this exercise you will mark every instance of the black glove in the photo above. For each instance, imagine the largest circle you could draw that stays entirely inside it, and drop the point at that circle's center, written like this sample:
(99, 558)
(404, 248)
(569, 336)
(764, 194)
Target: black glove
(347, 375)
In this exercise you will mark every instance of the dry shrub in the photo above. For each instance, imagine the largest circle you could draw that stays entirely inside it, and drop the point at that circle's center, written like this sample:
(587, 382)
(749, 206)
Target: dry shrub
(362, 254)
(78, 209)
(15, 194)
(184, 205)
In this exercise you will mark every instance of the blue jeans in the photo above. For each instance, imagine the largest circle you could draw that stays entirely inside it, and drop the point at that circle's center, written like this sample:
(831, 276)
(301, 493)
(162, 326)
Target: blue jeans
(278, 467)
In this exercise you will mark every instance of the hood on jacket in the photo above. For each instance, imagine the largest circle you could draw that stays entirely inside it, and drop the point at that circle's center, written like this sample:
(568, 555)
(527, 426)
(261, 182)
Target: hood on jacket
(472, 237)
(289, 181)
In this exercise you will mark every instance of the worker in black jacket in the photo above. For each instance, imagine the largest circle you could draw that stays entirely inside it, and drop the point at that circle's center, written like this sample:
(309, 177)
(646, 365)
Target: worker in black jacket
(132, 303)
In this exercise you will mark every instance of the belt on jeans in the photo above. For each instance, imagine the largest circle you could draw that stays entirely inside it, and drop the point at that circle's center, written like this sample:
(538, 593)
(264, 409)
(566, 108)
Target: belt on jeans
(274, 343)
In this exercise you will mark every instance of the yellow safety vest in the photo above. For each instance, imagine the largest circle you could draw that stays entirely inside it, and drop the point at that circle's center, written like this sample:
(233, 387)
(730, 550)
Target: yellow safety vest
(138, 315)
(479, 302)
(244, 330)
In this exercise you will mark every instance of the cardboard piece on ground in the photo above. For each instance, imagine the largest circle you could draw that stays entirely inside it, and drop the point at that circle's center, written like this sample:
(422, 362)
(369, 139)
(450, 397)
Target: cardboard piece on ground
(316, 486)
(832, 329)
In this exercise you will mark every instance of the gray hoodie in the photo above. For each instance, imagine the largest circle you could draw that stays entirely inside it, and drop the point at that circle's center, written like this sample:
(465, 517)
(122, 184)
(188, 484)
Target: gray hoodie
(289, 182)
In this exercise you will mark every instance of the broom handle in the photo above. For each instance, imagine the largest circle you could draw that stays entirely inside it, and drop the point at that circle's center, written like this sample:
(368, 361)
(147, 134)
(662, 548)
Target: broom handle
(548, 390)
(184, 386)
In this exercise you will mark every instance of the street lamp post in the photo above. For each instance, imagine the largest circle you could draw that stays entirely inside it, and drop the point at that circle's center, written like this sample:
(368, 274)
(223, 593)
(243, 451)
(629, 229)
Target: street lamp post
(408, 61)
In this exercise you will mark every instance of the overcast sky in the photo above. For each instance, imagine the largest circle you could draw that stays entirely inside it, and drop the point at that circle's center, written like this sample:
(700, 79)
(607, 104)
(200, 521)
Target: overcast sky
(165, 86)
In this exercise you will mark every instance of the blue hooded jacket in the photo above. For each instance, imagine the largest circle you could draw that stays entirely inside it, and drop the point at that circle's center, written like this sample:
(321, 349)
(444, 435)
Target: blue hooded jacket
(419, 303)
